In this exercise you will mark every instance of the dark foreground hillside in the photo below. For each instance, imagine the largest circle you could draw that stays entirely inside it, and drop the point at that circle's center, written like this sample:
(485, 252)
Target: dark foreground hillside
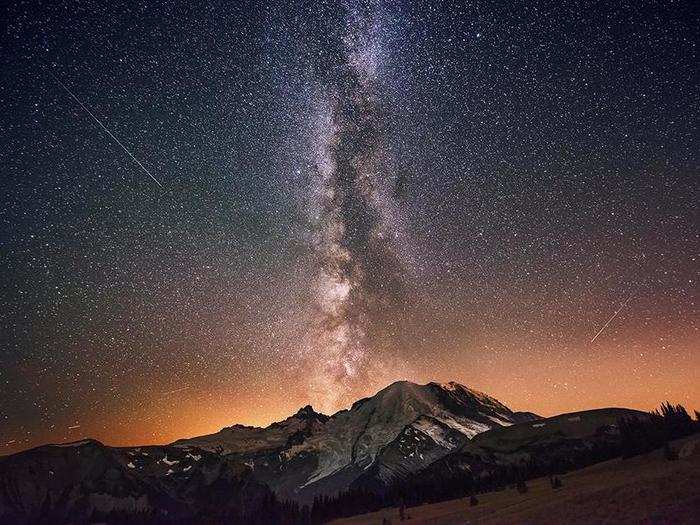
(642, 489)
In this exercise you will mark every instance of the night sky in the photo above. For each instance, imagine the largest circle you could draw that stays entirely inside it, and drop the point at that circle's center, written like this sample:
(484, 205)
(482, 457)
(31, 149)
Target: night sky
(346, 193)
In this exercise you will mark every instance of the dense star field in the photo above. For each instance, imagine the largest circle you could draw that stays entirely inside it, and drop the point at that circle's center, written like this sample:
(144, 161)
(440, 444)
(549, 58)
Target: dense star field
(335, 195)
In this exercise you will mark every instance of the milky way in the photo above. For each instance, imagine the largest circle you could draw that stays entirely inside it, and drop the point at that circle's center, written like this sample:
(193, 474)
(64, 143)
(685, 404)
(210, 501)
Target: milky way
(353, 214)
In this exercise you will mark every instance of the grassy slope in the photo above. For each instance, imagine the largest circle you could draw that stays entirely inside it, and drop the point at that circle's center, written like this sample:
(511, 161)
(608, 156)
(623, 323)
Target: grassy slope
(644, 489)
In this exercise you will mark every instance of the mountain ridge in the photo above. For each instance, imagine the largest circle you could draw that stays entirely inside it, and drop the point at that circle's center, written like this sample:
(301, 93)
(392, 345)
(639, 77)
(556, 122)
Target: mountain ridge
(329, 452)
(402, 430)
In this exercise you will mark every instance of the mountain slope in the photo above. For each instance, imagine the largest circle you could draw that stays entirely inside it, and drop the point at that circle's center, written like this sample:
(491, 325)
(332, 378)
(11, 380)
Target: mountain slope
(422, 442)
(86, 480)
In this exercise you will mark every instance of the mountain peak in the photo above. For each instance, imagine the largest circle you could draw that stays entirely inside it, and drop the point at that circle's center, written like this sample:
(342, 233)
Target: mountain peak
(450, 385)
(409, 385)
(307, 412)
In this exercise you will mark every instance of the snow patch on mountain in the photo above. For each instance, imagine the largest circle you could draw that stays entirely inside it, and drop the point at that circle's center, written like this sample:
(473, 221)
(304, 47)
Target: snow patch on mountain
(434, 431)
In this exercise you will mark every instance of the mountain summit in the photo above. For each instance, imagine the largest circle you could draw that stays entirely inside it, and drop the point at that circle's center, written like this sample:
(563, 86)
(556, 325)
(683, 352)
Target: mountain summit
(399, 430)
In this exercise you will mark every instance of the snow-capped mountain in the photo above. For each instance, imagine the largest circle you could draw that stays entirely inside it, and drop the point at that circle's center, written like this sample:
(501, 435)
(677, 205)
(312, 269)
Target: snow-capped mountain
(405, 433)
(380, 439)
(399, 430)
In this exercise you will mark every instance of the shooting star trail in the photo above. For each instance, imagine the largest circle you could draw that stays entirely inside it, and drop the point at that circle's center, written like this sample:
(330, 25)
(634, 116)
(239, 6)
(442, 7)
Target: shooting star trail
(104, 128)
(612, 317)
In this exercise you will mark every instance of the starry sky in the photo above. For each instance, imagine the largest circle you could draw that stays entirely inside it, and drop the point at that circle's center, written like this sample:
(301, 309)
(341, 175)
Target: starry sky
(302, 202)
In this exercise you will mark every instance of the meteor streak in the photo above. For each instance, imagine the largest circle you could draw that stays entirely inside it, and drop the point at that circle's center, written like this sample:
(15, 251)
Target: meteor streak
(104, 128)
(612, 317)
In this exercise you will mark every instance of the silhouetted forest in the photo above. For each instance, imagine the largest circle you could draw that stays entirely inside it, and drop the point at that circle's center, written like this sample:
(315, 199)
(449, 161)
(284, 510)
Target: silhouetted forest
(638, 436)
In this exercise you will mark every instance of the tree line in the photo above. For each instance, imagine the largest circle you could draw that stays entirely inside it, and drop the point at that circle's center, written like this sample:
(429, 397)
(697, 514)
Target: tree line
(642, 435)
